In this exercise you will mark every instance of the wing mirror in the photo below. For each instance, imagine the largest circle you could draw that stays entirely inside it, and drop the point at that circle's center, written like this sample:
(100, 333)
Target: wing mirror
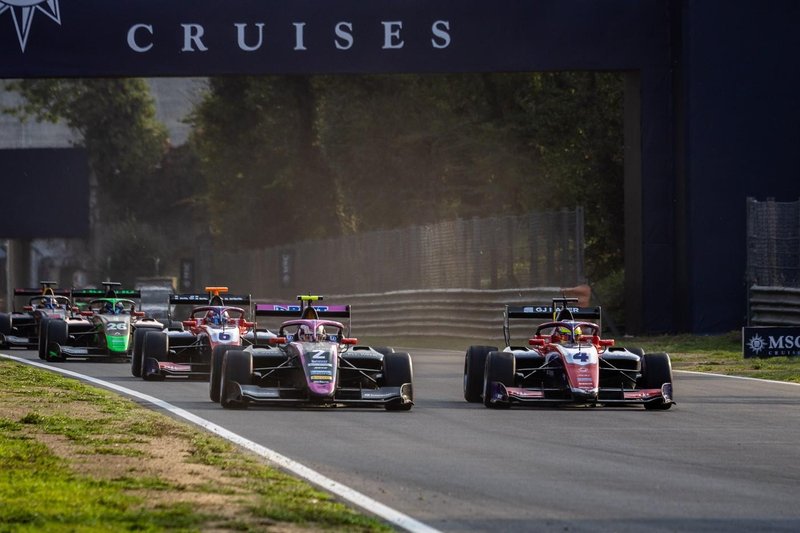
(536, 342)
(352, 341)
(276, 340)
(189, 323)
(605, 342)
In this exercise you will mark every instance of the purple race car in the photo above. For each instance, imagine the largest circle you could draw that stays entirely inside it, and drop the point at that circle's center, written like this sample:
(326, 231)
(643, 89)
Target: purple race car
(313, 361)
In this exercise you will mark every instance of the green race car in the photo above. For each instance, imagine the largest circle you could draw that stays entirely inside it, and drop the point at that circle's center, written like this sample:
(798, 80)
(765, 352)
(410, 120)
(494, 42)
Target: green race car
(104, 328)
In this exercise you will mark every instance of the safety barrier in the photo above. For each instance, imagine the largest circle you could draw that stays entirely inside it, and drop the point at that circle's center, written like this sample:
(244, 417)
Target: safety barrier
(461, 313)
(773, 306)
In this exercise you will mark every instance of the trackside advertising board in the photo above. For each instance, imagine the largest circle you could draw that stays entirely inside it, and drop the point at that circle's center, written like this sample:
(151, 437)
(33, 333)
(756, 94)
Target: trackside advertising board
(771, 341)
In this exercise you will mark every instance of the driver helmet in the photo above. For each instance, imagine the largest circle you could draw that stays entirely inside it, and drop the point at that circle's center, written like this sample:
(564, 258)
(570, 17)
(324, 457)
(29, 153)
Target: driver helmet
(213, 317)
(45, 303)
(321, 333)
(108, 307)
(305, 334)
(118, 308)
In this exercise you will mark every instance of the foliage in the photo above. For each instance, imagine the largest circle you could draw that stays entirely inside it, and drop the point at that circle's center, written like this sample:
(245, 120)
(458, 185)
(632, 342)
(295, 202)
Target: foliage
(115, 119)
(308, 157)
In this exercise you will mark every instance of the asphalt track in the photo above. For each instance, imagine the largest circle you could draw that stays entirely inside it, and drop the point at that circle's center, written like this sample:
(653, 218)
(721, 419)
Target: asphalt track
(726, 458)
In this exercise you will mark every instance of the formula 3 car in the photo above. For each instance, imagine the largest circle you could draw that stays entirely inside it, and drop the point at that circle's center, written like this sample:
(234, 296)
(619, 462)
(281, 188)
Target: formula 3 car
(20, 329)
(103, 328)
(313, 361)
(214, 323)
(567, 363)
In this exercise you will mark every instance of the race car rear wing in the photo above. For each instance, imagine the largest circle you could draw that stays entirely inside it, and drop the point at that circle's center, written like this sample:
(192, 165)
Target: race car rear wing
(293, 311)
(102, 293)
(39, 292)
(204, 299)
(561, 309)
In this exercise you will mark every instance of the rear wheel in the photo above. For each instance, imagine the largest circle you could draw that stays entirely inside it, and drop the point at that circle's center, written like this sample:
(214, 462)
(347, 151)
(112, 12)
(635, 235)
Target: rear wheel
(155, 347)
(656, 371)
(5, 327)
(398, 371)
(43, 338)
(383, 349)
(56, 336)
(136, 352)
(237, 367)
(474, 365)
(499, 368)
(215, 379)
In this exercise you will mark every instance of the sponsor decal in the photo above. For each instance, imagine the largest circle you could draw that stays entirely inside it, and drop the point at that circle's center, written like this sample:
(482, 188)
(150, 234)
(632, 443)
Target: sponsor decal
(580, 358)
(770, 341)
(250, 38)
(23, 11)
(317, 377)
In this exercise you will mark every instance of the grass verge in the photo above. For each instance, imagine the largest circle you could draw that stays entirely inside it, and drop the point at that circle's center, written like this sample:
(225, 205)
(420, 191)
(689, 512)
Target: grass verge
(76, 458)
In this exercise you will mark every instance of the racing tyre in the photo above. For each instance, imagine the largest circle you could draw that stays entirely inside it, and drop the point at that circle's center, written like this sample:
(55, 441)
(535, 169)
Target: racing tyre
(656, 371)
(383, 349)
(155, 347)
(136, 352)
(397, 371)
(499, 368)
(43, 338)
(215, 379)
(237, 366)
(56, 335)
(5, 325)
(474, 365)
(638, 351)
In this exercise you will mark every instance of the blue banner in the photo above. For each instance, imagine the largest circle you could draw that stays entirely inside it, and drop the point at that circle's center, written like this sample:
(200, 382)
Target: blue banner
(770, 341)
(53, 38)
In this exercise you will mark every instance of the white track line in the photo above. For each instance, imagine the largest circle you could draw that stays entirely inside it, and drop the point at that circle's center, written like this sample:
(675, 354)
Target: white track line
(356, 498)
(745, 378)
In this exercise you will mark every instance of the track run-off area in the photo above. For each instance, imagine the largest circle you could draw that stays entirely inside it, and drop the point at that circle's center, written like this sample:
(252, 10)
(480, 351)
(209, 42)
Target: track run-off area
(725, 458)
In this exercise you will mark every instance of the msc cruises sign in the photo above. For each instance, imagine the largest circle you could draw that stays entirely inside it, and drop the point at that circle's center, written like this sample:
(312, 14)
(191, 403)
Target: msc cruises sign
(22, 11)
(73, 38)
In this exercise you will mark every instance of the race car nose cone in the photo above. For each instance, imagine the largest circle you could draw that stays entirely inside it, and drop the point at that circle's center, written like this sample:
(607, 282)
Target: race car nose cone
(585, 395)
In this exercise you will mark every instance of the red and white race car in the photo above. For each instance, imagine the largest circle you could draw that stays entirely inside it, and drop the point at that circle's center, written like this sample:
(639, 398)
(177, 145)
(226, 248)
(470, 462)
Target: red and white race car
(186, 351)
(566, 362)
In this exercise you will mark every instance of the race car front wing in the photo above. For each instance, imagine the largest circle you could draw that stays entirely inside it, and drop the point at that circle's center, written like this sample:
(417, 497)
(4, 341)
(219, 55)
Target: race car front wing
(253, 394)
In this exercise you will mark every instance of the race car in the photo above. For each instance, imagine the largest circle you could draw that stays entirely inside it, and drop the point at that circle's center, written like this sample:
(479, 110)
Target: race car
(566, 362)
(20, 329)
(313, 361)
(103, 328)
(186, 352)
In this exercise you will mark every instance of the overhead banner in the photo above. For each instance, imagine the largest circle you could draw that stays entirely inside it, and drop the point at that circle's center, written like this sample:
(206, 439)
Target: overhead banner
(52, 38)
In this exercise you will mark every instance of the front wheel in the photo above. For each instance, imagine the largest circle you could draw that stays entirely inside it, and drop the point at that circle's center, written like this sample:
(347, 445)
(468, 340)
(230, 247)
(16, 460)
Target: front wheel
(155, 348)
(136, 352)
(656, 371)
(57, 336)
(499, 369)
(397, 371)
(215, 378)
(237, 367)
(474, 365)
(43, 339)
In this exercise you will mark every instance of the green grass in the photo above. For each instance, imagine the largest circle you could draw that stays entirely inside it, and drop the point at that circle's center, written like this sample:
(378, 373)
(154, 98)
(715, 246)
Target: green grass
(41, 490)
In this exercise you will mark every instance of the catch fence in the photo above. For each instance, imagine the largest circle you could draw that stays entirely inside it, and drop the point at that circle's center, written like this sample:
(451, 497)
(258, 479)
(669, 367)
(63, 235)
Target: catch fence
(773, 263)
(773, 243)
(532, 250)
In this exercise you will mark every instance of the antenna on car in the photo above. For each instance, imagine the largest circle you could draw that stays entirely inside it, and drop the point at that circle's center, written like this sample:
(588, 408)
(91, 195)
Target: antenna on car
(214, 295)
(110, 286)
(307, 310)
